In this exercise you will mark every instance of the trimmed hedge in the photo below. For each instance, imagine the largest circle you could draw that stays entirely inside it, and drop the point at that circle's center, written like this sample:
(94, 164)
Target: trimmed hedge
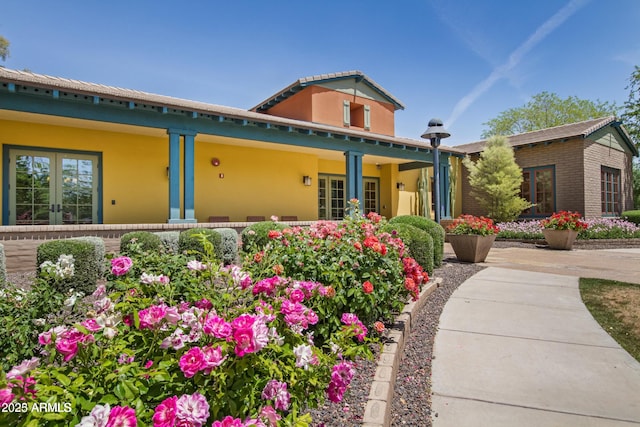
(148, 241)
(169, 240)
(3, 265)
(418, 242)
(189, 241)
(258, 234)
(434, 229)
(632, 216)
(87, 263)
(229, 244)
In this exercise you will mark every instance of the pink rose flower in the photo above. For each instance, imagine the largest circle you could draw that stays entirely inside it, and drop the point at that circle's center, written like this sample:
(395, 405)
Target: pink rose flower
(228, 421)
(23, 368)
(6, 396)
(212, 357)
(192, 361)
(122, 416)
(165, 413)
(192, 408)
(277, 391)
(120, 266)
(152, 316)
(91, 325)
(97, 418)
(217, 326)
(271, 415)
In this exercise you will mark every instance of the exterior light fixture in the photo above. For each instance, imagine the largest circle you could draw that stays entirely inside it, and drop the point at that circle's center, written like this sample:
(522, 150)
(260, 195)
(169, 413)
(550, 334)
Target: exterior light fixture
(306, 180)
(400, 186)
(435, 132)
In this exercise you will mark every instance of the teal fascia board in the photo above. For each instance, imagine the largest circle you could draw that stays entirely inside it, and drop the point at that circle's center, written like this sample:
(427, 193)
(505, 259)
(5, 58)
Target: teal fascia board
(174, 176)
(208, 124)
(354, 176)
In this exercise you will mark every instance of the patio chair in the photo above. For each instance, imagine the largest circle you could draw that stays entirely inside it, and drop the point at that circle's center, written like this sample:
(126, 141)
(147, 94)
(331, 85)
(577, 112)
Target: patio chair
(289, 218)
(256, 218)
(218, 219)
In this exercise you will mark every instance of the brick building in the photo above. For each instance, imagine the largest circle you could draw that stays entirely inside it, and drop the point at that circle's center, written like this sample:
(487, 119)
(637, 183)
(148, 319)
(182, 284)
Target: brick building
(584, 167)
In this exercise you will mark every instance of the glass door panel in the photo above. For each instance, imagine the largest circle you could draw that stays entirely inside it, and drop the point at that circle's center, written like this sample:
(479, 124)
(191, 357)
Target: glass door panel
(30, 190)
(52, 188)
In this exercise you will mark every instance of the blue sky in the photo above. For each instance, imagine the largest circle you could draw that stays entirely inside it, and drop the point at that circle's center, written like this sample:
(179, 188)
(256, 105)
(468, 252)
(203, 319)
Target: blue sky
(464, 61)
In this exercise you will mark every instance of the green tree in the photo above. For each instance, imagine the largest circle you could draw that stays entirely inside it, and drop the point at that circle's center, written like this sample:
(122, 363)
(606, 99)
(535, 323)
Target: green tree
(631, 114)
(546, 110)
(495, 180)
(636, 185)
(4, 48)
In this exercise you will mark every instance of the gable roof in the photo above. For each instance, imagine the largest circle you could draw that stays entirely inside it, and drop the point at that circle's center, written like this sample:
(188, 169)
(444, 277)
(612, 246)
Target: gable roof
(558, 133)
(304, 82)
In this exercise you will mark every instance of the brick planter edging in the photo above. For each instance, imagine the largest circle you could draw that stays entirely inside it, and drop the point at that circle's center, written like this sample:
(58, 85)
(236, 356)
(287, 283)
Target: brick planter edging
(377, 412)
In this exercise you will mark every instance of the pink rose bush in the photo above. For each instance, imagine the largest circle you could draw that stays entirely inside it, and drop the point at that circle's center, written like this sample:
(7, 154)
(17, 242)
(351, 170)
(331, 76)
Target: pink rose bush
(171, 342)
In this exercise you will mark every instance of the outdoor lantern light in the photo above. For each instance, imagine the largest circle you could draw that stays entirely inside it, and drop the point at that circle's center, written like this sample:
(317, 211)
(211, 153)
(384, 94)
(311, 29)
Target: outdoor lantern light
(435, 132)
(306, 180)
(400, 186)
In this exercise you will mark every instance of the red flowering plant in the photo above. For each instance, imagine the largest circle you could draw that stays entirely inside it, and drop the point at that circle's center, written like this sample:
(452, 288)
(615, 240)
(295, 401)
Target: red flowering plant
(564, 220)
(361, 265)
(469, 224)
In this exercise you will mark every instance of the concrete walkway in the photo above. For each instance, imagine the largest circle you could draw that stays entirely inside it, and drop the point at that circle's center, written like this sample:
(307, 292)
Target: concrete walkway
(519, 348)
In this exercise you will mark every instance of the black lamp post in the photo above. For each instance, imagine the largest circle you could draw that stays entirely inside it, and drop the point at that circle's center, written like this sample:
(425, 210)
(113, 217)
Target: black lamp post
(435, 132)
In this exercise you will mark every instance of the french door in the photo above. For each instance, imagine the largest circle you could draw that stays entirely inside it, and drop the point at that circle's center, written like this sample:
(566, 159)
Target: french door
(47, 187)
(332, 196)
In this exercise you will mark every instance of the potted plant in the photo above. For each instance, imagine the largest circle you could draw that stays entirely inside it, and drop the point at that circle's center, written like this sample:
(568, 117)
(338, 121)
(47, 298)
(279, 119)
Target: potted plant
(471, 237)
(562, 228)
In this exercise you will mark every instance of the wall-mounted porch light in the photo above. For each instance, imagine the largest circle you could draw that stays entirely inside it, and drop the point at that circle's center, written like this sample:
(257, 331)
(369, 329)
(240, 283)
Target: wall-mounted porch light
(400, 186)
(306, 180)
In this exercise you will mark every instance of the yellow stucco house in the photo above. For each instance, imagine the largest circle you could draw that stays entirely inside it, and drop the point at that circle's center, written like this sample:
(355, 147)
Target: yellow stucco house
(83, 153)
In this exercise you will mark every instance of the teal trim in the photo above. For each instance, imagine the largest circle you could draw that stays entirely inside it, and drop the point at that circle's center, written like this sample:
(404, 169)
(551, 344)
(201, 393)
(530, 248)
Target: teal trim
(5, 175)
(354, 176)
(118, 112)
(625, 136)
(189, 192)
(174, 176)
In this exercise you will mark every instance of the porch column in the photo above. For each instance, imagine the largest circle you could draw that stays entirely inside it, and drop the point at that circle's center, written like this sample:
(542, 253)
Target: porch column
(187, 202)
(189, 179)
(354, 176)
(445, 193)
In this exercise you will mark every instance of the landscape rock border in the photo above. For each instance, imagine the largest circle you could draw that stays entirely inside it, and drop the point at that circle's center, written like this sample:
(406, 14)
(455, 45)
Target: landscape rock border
(377, 412)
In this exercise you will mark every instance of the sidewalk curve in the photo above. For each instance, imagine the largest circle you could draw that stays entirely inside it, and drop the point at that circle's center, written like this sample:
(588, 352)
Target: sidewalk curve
(519, 348)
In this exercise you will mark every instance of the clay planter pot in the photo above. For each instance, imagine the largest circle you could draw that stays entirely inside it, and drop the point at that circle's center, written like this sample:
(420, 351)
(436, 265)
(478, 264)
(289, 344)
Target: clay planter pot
(560, 239)
(471, 247)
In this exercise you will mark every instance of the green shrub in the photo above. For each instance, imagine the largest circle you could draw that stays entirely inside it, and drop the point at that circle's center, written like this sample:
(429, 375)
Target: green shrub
(418, 242)
(169, 240)
(99, 251)
(632, 216)
(87, 265)
(434, 229)
(190, 241)
(258, 234)
(229, 244)
(148, 241)
(3, 265)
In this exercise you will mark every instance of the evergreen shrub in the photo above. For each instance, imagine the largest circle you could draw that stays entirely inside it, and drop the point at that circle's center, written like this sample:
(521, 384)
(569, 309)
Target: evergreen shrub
(229, 244)
(169, 240)
(190, 241)
(148, 241)
(434, 229)
(632, 216)
(87, 265)
(257, 234)
(417, 241)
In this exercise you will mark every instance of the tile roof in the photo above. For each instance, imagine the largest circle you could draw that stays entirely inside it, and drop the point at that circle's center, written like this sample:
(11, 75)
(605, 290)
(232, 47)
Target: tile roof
(24, 78)
(557, 133)
(300, 84)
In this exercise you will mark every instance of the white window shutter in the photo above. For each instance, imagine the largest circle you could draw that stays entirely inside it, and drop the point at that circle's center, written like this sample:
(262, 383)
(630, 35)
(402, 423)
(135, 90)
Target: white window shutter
(367, 117)
(346, 113)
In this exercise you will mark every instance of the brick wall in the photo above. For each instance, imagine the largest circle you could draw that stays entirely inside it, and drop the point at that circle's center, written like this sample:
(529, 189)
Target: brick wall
(595, 156)
(567, 157)
(21, 242)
